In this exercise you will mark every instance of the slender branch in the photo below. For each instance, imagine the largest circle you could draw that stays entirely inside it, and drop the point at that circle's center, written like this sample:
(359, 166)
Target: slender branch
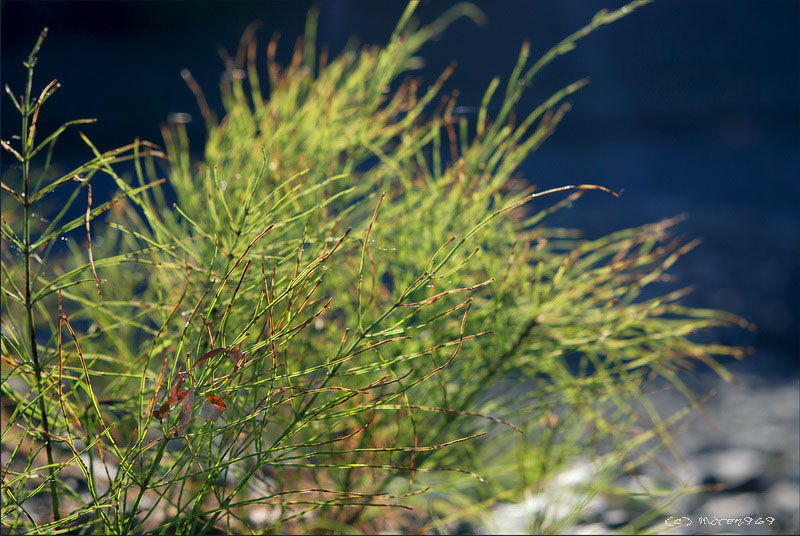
(27, 105)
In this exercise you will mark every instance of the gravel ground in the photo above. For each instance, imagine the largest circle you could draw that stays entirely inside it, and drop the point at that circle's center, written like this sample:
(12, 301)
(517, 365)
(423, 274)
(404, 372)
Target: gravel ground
(746, 445)
(752, 452)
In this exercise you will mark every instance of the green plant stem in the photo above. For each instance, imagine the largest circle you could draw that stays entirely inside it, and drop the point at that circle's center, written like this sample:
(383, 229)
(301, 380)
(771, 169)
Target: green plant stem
(26, 150)
(35, 354)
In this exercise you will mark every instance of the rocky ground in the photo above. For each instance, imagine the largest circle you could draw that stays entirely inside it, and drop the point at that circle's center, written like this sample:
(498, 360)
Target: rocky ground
(746, 447)
(752, 453)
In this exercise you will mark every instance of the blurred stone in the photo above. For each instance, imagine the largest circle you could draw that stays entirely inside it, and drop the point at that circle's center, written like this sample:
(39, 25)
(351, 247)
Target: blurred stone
(735, 466)
(593, 528)
(783, 499)
(730, 468)
(617, 518)
(559, 500)
(732, 506)
(261, 515)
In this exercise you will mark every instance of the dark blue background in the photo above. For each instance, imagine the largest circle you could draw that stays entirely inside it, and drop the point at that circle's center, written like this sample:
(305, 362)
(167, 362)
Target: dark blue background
(693, 107)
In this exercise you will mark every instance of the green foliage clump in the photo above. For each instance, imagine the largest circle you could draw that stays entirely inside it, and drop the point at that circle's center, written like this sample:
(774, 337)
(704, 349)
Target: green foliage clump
(351, 308)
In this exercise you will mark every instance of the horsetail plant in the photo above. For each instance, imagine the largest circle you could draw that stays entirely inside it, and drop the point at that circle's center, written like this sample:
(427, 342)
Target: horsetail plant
(349, 307)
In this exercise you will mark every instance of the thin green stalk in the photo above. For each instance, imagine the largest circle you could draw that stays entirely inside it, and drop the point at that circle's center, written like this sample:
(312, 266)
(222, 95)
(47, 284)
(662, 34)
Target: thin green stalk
(27, 143)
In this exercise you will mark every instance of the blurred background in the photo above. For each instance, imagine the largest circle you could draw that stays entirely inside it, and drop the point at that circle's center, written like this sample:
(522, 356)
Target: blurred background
(694, 107)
